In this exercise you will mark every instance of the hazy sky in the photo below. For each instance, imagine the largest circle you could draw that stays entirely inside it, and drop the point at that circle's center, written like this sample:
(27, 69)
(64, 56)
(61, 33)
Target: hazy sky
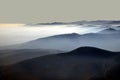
(35, 11)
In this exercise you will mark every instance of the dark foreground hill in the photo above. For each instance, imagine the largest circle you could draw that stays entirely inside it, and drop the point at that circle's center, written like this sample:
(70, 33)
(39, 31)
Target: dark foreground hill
(8, 57)
(112, 74)
(80, 64)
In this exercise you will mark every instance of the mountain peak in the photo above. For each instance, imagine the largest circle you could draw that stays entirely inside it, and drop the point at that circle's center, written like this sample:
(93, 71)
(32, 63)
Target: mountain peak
(71, 35)
(86, 49)
(74, 34)
(109, 30)
(91, 51)
(64, 36)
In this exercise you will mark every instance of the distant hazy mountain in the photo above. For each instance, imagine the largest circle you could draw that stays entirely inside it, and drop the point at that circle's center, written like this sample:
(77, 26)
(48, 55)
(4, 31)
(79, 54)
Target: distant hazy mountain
(57, 42)
(108, 39)
(8, 57)
(110, 31)
(79, 64)
(53, 23)
(97, 22)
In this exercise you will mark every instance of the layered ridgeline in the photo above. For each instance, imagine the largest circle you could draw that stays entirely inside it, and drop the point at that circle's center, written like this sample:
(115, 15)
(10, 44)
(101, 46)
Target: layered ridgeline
(108, 39)
(8, 57)
(97, 22)
(79, 64)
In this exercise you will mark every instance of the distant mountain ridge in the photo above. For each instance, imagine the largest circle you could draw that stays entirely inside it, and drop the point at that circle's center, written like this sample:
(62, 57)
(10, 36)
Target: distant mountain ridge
(71, 35)
(80, 22)
(8, 57)
(106, 39)
(110, 31)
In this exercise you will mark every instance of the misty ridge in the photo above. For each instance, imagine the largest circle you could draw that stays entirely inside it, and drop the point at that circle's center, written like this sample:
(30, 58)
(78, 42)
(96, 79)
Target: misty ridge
(106, 39)
(71, 56)
(97, 22)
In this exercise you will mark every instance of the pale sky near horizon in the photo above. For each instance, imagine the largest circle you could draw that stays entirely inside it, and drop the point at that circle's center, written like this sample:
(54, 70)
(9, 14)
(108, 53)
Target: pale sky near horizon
(37, 11)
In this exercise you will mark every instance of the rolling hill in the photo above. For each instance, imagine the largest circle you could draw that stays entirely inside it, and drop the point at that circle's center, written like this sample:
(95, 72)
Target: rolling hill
(79, 64)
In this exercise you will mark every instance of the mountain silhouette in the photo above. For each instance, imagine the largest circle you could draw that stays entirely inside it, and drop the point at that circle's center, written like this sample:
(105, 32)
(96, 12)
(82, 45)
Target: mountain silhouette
(114, 22)
(8, 57)
(98, 22)
(110, 31)
(66, 36)
(92, 51)
(79, 64)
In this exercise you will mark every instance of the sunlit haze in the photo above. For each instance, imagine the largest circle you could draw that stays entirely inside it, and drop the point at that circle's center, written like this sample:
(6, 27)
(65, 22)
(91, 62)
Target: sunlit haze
(19, 33)
(10, 25)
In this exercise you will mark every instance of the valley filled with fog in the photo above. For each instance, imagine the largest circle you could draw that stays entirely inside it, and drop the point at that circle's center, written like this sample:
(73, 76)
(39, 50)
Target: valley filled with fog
(24, 33)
